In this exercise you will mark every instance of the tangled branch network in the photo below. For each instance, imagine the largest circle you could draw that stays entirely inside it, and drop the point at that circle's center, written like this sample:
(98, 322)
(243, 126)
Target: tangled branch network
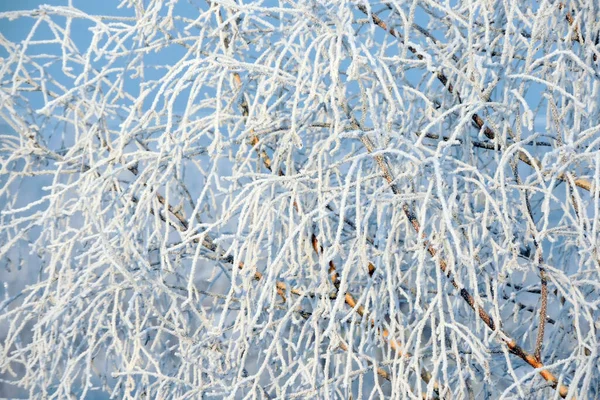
(300, 199)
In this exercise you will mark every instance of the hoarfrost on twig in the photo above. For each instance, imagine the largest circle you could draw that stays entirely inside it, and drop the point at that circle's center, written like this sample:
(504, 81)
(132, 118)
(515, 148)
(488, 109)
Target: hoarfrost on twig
(339, 199)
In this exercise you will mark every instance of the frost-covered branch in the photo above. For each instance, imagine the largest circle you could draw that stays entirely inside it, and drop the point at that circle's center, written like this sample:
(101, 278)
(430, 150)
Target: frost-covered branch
(278, 199)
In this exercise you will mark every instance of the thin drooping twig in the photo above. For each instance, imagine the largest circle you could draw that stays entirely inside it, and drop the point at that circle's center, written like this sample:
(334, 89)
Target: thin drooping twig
(543, 310)
(539, 341)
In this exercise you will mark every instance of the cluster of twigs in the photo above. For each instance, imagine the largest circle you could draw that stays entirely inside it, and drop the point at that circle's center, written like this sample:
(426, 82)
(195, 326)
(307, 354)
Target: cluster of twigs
(287, 209)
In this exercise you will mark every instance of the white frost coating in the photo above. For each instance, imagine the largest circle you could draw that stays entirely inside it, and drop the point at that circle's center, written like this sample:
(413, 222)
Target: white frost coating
(300, 199)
